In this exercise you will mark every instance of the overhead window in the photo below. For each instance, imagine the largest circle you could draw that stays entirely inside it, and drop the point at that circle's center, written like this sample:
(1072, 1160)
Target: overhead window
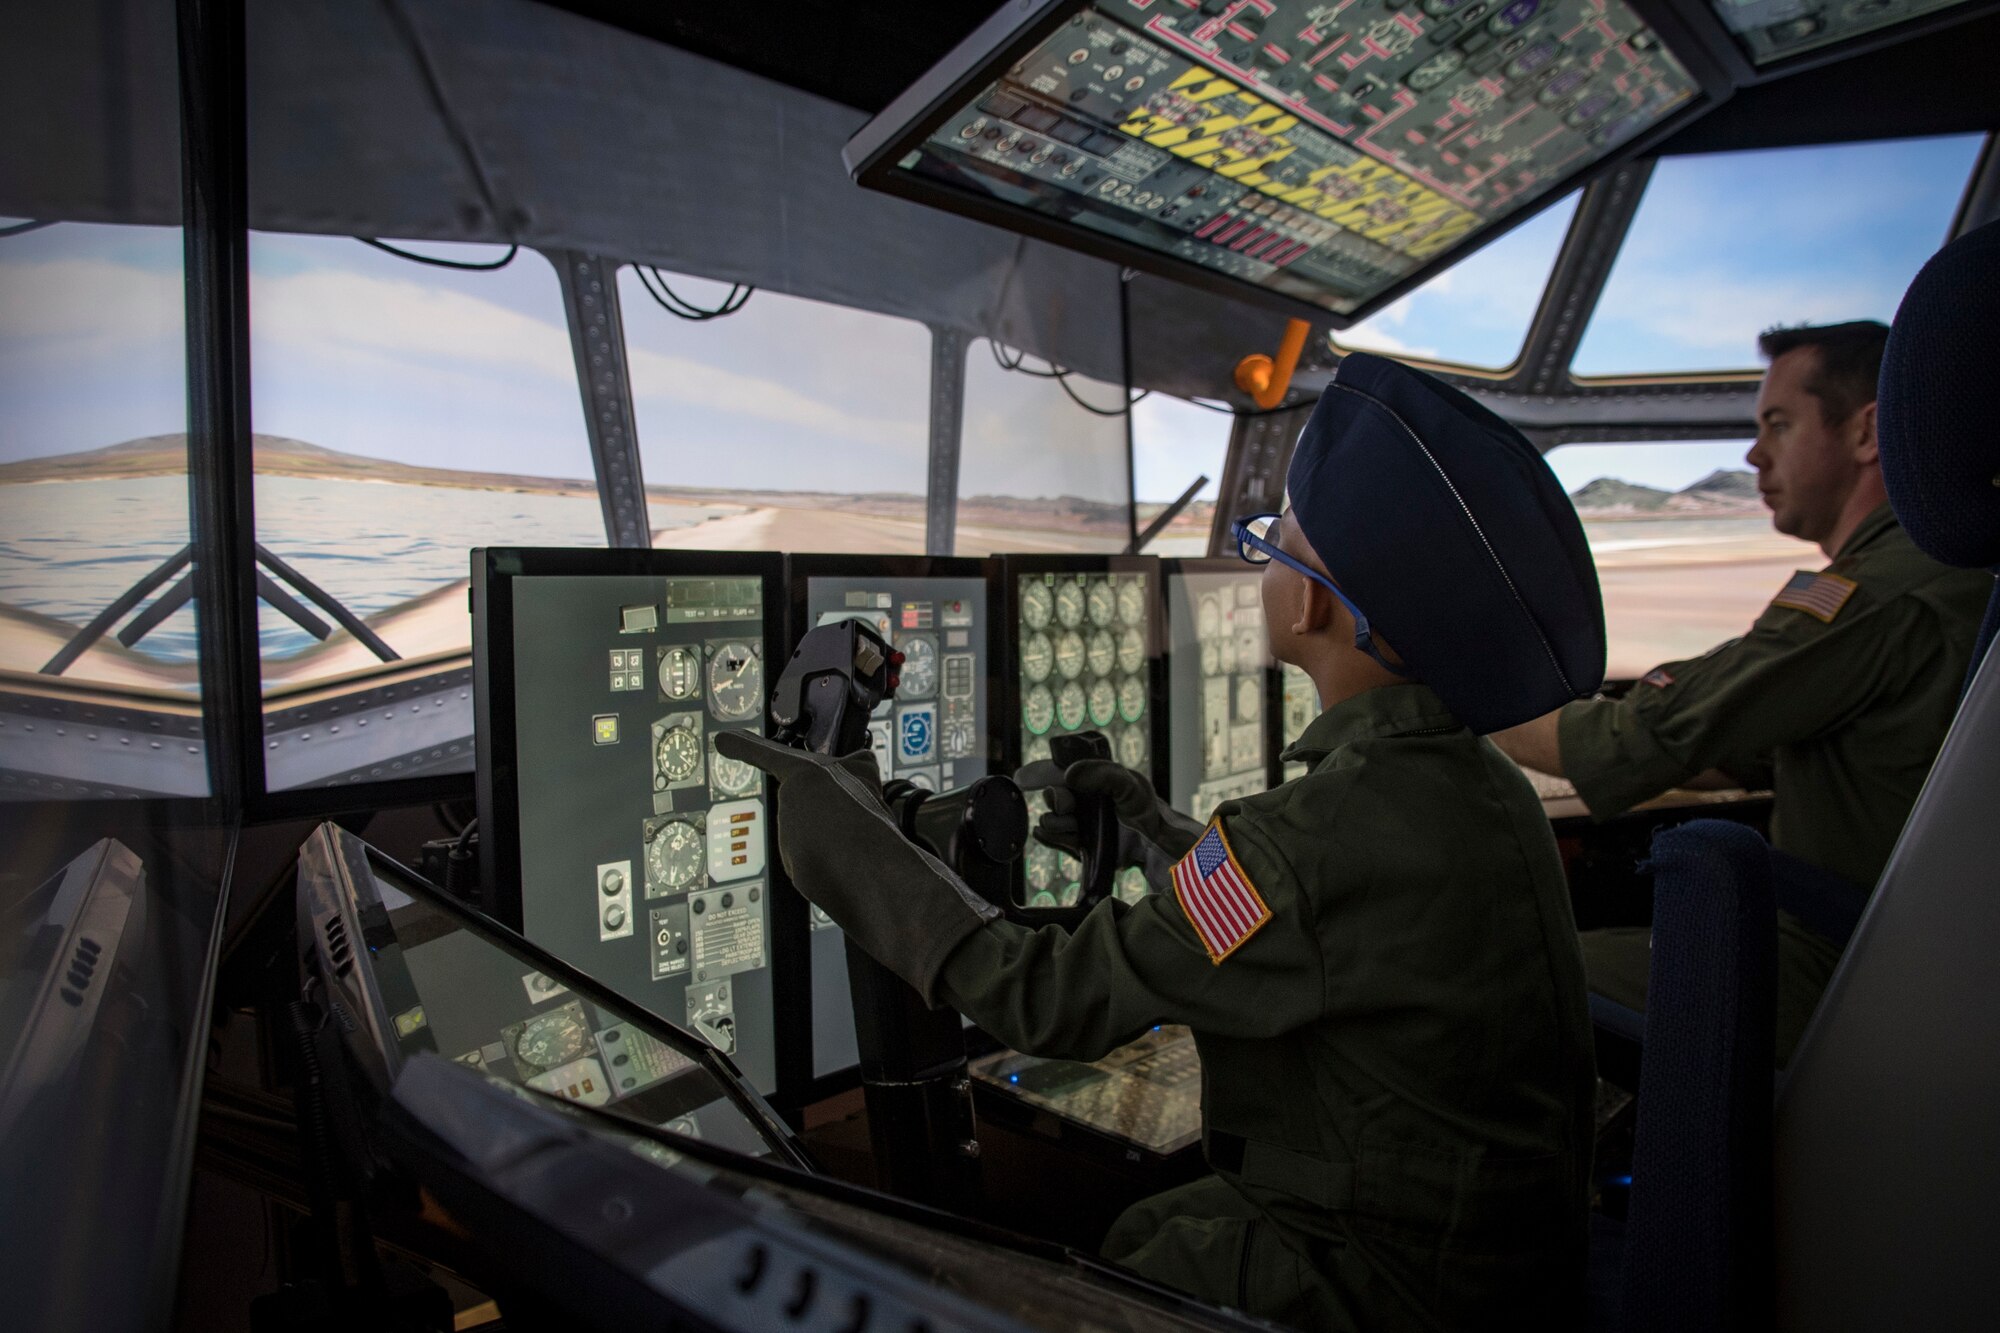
(1173, 442)
(1726, 245)
(1475, 313)
(405, 413)
(787, 425)
(1042, 461)
(1685, 551)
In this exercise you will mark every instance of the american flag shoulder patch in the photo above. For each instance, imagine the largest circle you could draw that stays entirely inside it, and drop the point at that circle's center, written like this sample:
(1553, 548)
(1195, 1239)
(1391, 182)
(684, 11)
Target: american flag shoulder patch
(1659, 678)
(1818, 595)
(1221, 903)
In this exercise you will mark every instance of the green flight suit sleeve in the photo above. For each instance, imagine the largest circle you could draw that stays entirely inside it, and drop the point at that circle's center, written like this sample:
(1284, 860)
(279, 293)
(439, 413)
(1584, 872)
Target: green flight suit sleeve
(1792, 678)
(1077, 995)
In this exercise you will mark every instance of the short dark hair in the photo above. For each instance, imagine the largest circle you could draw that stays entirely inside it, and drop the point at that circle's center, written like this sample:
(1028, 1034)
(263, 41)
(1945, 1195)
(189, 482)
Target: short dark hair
(1850, 361)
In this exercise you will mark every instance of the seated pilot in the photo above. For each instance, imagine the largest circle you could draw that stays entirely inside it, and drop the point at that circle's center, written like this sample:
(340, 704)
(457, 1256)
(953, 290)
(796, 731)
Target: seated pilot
(1838, 697)
(1377, 959)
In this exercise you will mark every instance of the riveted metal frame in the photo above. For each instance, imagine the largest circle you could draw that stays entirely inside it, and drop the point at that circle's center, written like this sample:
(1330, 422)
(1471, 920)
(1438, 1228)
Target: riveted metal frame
(597, 338)
(947, 439)
(1981, 202)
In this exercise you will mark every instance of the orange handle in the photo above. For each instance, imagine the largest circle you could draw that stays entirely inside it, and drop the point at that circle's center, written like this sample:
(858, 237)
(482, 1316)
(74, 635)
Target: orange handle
(1266, 380)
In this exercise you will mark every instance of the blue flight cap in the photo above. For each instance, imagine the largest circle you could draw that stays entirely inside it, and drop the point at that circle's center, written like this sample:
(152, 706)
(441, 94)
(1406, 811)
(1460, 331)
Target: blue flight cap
(1449, 531)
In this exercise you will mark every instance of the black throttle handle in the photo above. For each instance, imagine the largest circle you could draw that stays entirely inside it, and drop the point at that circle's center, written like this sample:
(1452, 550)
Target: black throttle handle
(837, 677)
(1096, 816)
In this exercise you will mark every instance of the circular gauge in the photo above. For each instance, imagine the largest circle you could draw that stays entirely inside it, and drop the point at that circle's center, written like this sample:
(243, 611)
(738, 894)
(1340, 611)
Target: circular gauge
(1535, 57)
(1069, 605)
(732, 777)
(614, 917)
(1131, 603)
(1069, 656)
(1070, 705)
(1102, 703)
(1211, 657)
(1208, 618)
(675, 856)
(735, 681)
(1071, 892)
(680, 673)
(553, 1038)
(1435, 70)
(1130, 885)
(1131, 698)
(677, 756)
(1225, 654)
(1101, 653)
(1069, 872)
(1102, 603)
(1131, 650)
(922, 781)
(613, 882)
(1035, 750)
(920, 667)
(1042, 898)
(1038, 710)
(1132, 747)
(1040, 864)
(1034, 606)
(1038, 656)
(1513, 16)
(1249, 699)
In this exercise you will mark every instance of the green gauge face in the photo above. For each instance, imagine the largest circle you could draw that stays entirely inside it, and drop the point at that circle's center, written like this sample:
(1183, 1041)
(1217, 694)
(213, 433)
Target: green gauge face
(552, 1039)
(1101, 653)
(1069, 605)
(1037, 748)
(1132, 747)
(1130, 885)
(1132, 698)
(680, 673)
(1040, 866)
(1211, 657)
(1131, 603)
(678, 755)
(1070, 655)
(920, 668)
(1071, 892)
(1035, 604)
(1038, 657)
(1038, 710)
(1249, 699)
(1042, 898)
(735, 681)
(1208, 618)
(1070, 705)
(732, 777)
(1069, 873)
(675, 857)
(1102, 604)
(1102, 703)
(1131, 650)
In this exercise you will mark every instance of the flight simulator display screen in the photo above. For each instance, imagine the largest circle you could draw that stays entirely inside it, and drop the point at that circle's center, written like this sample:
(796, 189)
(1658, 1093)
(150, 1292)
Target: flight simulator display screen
(1085, 666)
(469, 998)
(932, 733)
(1218, 671)
(1301, 705)
(1769, 30)
(643, 852)
(1320, 151)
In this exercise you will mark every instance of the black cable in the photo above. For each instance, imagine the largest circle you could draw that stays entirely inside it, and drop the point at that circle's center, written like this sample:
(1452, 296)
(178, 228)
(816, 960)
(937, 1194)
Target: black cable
(469, 266)
(1060, 375)
(23, 228)
(1062, 382)
(680, 306)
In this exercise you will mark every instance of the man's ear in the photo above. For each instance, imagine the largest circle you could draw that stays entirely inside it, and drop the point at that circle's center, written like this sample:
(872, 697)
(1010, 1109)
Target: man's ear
(1866, 449)
(1315, 608)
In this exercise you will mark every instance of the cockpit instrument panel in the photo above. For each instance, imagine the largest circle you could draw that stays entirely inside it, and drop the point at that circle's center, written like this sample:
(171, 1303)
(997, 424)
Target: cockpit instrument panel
(1085, 633)
(612, 831)
(935, 732)
(1299, 700)
(1774, 30)
(1330, 155)
(1219, 685)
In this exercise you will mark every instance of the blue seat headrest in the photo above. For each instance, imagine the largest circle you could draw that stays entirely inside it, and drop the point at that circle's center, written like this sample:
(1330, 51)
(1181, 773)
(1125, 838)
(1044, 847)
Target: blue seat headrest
(1934, 415)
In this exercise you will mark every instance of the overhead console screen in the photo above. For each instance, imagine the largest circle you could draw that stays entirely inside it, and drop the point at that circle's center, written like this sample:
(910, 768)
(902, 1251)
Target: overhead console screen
(1218, 685)
(1770, 30)
(638, 853)
(1326, 153)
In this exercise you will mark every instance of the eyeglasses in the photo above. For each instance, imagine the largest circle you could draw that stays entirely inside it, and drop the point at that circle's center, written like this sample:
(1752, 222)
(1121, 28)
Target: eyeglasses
(1256, 544)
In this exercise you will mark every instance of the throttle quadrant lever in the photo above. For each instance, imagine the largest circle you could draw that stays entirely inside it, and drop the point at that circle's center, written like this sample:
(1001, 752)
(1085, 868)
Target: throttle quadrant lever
(1096, 817)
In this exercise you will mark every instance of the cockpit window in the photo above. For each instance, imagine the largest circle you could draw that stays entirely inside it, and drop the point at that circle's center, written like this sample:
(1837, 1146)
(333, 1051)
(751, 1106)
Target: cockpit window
(1686, 554)
(788, 425)
(1727, 244)
(1173, 442)
(404, 414)
(1475, 313)
(1042, 462)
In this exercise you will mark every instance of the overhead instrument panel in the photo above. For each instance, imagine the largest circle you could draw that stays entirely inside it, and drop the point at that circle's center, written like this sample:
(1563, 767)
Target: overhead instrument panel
(1328, 153)
(612, 831)
(1219, 685)
(1773, 30)
(933, 733)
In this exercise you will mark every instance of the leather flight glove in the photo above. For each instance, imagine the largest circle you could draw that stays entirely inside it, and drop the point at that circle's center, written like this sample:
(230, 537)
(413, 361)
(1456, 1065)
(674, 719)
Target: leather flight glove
(1159, 829)
(842, 850)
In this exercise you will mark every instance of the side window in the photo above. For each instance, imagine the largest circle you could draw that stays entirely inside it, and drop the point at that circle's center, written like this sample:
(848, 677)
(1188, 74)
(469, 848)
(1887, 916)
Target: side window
(405, 413)
(95, 576)
(788, 425)
(1685, 551)
(1173, 442)
(1042, 461)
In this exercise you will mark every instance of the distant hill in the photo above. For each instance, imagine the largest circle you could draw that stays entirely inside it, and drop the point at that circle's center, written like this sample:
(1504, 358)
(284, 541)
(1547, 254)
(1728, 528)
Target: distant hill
(1723, 493)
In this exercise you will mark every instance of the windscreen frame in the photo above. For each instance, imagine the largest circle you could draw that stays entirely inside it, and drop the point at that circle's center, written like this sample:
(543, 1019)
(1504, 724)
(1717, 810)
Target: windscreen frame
(873, 153)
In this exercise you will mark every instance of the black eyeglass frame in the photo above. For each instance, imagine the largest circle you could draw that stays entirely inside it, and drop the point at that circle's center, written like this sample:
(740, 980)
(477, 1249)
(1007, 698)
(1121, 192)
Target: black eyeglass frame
(1254, 550)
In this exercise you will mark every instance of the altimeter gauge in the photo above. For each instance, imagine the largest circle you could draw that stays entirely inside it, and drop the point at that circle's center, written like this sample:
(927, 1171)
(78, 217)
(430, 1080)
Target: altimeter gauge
(1038, 657)
(675, 856)
(1035, 606)
(920, 668)
(680, 673)
(677, 756)
(735, 681)
(1069, 605)
(1102, 604)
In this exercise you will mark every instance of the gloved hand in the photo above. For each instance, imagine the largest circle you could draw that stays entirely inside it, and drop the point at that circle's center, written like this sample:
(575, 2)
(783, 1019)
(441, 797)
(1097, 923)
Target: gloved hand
(1141, 813)
(902, 905)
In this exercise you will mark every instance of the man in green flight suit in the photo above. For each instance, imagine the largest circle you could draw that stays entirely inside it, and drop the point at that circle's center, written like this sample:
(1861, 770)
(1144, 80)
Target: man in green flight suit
(1838, 697)
(1377, 960)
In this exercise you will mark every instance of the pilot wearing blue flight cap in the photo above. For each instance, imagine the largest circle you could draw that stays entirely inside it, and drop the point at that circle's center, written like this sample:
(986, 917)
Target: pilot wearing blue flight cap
(1377, 959)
